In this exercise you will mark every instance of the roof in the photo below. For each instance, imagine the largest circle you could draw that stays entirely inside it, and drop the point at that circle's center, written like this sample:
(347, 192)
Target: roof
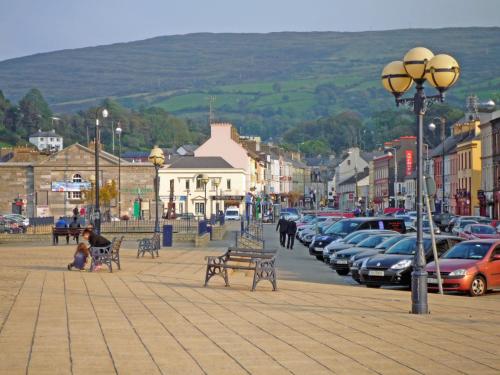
(205, 162)
(450, 144)
(40, 133)
(367, 156)
(358, 177)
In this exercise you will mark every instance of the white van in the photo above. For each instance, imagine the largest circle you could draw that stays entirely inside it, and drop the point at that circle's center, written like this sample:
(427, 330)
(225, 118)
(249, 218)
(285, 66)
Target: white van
(232, 213)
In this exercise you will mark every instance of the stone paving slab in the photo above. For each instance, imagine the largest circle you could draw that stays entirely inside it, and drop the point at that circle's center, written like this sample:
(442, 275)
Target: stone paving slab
(155, 317)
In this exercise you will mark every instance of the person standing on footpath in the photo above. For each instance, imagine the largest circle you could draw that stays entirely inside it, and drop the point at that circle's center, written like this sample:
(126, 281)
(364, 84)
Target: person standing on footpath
(283, 228)
(291, 231)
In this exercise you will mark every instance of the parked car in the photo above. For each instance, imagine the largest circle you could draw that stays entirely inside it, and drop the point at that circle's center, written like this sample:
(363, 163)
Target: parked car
(19, 218)
(353, 242)
(395, 266)
(291, 213)
(4, 226)
(357, 259)
(479, 231)
(340, 260)
(426, 227)
(232, 213)
(345, 226)
(470, 267)
(185, 216)
(460, 224)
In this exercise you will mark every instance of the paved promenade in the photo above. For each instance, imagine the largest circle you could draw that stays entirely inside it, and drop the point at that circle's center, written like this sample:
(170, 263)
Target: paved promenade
(154, 316)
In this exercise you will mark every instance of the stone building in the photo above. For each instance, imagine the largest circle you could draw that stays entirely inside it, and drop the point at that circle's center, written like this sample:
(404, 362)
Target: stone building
(39, 183)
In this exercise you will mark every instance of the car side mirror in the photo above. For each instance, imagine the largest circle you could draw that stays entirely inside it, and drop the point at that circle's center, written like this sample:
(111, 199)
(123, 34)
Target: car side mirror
(466, 232)
(496, 257)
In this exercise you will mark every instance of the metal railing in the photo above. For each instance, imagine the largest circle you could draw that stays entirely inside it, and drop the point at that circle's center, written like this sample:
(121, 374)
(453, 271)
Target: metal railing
(148, 226)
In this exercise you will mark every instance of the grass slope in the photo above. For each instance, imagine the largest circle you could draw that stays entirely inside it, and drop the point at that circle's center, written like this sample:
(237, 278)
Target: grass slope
(317, 73)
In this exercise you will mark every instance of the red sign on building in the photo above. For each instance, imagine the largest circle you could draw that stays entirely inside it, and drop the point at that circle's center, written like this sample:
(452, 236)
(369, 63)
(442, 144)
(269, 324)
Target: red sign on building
(409, 162)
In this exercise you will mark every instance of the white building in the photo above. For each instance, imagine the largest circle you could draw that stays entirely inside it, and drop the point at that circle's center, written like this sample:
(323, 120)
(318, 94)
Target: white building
(47, 141)
(188, 194)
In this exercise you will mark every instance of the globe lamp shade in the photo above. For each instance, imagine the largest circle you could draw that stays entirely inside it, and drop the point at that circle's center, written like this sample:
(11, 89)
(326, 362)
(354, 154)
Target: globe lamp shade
(395, 79)
(156, 156)
(442, 71)
(415, 61)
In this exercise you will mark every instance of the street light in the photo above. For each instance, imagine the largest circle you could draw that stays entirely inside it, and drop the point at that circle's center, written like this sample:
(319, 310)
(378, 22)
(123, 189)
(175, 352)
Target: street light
(432, 127)
(204, 180)
(441, 71)
(355, 178)
(217, 181)
(118, 132)
(157, 158)
(396, 190)
(99, 113)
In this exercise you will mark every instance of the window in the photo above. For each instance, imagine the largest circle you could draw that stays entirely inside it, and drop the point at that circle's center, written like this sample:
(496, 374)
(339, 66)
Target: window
(348, 162)
(199, 184)
(51, 139)
(41, 139)
(228, 184)
(199, 208)
(75, 194)
(187, 184)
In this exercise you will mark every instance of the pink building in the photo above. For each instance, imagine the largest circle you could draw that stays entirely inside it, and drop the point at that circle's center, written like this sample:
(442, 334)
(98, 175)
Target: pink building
(224, 142)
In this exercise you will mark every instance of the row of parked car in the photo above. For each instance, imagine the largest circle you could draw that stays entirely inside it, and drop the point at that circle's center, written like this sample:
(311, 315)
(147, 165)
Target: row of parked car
(379, 251)
(13, 223)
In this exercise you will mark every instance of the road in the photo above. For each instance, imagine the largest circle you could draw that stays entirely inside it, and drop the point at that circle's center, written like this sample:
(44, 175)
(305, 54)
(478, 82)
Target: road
(297, 264)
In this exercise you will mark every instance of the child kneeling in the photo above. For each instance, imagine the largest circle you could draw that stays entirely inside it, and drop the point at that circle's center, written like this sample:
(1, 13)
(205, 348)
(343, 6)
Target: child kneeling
(80, 257)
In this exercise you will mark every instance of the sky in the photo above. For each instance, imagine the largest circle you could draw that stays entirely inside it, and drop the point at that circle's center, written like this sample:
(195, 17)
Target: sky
(34, 26)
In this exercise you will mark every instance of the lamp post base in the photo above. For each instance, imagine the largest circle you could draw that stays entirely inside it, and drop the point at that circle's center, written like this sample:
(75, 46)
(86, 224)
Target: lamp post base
(419, 292)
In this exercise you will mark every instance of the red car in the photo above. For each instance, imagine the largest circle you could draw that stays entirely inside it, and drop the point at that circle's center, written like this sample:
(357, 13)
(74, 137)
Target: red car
(479, 231)
(471, 267)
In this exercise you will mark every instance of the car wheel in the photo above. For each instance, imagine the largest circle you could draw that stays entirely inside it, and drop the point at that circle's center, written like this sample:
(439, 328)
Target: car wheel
(319, 257)
(342, 272)
(373, 286)
(478, 286)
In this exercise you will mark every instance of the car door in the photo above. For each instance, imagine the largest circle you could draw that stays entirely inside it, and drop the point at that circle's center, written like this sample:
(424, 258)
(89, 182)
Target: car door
(494, 269)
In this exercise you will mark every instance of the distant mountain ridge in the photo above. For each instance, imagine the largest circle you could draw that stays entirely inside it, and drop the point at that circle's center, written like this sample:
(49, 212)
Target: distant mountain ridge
(273, 78)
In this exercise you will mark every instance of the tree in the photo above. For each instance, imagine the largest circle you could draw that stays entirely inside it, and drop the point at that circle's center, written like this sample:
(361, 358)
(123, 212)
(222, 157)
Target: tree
(35, 112)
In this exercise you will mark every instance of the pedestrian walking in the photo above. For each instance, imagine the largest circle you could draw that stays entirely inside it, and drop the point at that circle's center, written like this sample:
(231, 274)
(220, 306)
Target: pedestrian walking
(282, 227)
(291, 231)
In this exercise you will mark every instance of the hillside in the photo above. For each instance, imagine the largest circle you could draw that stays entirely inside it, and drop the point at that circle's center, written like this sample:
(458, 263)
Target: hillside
(259, 80)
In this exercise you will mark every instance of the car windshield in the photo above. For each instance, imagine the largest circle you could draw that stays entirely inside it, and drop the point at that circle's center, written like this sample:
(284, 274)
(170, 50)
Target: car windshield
(467, 250)
(343, 227)
(407, 246)
(463, 223)
(482, 229)
(357, 239)
(232, 212)
(388, 242)
(372, 241)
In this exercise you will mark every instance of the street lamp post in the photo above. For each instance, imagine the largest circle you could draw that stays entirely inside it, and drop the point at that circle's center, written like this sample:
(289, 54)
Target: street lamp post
(432, 127)
(157, 158)
(441, 71)
(103, 113)
(118, 131)
(217, 181)
(395, 174)
(204, 181)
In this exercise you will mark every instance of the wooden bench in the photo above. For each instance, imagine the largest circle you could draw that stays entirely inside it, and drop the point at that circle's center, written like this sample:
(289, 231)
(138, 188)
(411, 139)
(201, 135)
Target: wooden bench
(262, 262)
(106, 255)
(150, 245)
(66, 232)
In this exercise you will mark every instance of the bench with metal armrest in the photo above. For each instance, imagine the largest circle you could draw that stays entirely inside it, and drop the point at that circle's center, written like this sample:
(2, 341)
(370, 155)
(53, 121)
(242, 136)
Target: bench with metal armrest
(262, 262)
(107, 255)
(149, 245)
